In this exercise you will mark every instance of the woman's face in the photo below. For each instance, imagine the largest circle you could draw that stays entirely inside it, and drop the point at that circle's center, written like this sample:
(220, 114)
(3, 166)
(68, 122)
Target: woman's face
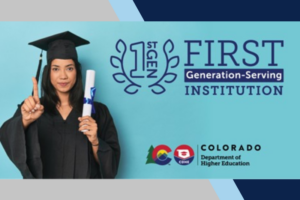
(63, 75)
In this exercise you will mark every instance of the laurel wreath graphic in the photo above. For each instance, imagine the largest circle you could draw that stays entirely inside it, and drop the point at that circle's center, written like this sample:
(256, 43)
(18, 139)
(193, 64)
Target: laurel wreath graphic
(132, 87)
(121, 77)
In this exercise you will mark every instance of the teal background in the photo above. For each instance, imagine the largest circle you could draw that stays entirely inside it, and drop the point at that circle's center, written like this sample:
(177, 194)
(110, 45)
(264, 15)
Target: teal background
(172, 118)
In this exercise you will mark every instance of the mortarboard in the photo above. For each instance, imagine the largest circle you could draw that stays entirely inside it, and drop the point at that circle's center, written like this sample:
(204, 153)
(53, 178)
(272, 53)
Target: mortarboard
(62, 45)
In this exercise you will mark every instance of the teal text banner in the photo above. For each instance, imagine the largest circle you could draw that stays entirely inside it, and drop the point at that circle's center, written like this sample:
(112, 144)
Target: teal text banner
(233, 129)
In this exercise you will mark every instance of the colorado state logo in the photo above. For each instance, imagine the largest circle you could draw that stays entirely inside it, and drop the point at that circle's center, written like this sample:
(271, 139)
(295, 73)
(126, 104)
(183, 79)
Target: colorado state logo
(159, 155)
(137, 65)
(184, 155)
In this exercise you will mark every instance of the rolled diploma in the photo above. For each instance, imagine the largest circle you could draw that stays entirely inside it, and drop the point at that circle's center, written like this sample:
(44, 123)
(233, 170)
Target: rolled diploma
(89, 83)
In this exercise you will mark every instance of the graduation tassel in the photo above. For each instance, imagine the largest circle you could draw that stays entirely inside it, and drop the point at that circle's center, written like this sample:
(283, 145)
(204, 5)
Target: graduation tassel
(39, 69)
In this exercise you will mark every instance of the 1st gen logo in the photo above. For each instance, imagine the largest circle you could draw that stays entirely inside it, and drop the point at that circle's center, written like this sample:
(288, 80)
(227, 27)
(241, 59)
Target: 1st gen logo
(145, 65)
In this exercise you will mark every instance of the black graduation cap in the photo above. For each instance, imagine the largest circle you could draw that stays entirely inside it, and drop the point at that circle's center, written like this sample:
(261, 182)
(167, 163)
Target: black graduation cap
(62, 45)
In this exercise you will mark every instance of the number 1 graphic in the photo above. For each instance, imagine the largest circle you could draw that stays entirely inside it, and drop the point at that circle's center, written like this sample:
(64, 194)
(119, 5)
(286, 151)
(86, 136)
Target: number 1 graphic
(139, 59)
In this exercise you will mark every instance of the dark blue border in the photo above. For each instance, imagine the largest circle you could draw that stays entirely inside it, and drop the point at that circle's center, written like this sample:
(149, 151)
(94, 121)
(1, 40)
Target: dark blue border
(272, 189)
(218, 10)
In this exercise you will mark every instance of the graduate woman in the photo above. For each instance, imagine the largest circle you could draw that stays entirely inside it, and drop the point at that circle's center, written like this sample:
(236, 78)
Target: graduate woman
(45, 137)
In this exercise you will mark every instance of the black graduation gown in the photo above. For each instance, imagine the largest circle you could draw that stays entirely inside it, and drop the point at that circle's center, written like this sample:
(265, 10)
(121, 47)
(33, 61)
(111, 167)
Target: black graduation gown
(54, 148)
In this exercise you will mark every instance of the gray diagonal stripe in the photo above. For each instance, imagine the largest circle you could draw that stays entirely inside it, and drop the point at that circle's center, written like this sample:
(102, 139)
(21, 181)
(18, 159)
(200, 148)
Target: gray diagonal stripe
(110, 189)
(57, 10)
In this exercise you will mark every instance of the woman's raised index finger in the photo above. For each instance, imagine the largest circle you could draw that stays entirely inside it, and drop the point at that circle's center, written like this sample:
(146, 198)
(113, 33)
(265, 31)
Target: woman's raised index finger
(35, 90)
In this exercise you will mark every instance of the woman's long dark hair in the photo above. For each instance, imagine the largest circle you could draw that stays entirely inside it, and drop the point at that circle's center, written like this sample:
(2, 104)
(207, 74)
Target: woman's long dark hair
(49, 97)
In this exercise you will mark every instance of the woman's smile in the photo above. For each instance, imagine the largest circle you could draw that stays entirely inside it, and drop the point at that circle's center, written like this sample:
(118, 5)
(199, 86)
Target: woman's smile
(63, 84)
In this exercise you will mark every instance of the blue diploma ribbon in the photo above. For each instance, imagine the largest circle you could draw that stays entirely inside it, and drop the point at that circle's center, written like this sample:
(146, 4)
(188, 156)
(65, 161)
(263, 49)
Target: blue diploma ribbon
(91, 101)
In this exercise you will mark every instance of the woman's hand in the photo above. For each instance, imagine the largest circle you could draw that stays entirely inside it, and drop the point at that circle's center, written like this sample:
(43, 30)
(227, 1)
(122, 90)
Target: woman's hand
(89, 124)
(32, 109)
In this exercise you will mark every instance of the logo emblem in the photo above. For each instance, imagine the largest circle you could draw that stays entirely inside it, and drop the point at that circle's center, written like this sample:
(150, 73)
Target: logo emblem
(184, 155)
(159, 155)
(137, 66)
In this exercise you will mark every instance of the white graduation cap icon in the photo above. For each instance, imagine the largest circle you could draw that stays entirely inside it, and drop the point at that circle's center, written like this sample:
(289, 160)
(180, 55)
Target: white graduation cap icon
(183, 153)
